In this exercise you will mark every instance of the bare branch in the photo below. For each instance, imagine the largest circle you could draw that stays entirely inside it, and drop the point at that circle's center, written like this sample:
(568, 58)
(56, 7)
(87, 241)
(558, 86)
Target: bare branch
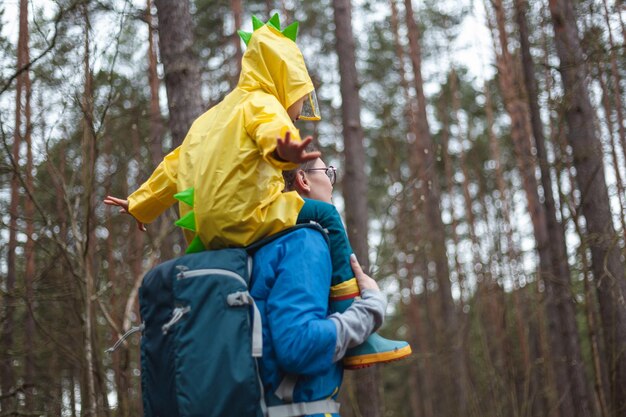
(57, 20)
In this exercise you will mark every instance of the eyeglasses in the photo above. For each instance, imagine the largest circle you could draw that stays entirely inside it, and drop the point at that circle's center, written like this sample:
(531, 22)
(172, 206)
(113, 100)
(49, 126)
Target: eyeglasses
(331, 173)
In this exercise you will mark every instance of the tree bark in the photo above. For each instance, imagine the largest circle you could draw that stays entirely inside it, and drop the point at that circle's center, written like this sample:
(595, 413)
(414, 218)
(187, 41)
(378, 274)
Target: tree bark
(181, 66)
(355, 180)
(448, 169)
(236, 7)
(428, 191)
(8, 380)
(422, 374)
(550, 271)
(617, 82)
(29, 214)
(563, 167)
(156, 119)
(556, 234)
(621, 195)
(588, 160)
(86, 245)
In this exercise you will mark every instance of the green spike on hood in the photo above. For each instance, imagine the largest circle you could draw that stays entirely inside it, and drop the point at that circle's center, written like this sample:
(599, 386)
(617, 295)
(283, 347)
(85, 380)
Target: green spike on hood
(185, 196)
(256, 23)
(290, 31)
(274, 22)
(195, 246)
(188, 221)
(245, 36)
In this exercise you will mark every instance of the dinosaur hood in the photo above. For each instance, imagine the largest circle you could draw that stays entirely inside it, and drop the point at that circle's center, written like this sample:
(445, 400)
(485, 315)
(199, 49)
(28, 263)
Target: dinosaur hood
(273, 63)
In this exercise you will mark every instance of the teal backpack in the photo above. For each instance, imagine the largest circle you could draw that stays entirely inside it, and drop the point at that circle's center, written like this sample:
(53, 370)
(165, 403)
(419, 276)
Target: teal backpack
(199, 344)
(202, 336)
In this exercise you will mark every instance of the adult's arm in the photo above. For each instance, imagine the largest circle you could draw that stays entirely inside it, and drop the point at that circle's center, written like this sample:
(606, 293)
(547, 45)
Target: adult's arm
(305, 340)
(360, 320)
(363, 317)
(156, 194)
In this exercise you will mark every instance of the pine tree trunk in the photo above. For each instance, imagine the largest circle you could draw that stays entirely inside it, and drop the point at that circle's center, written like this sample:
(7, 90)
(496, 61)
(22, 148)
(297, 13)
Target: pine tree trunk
(8, 379)
(556, 234)
(355, 181)
(588, 160)
(617, 84)
(181, 66)
(156, 119)
(236, 7)
(537, 383)
(72, 384)
(157, 131)
(422, 374)
(85, 245)
(563, 167)
(552, 275)
(448, 169)
(424, 153)
(621, 194)
(590, 303)
(29, 214)
(421, 342)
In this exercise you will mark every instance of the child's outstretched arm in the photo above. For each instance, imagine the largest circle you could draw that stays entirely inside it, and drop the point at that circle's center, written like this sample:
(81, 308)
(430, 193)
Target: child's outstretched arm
(123, 205)
(154, 196)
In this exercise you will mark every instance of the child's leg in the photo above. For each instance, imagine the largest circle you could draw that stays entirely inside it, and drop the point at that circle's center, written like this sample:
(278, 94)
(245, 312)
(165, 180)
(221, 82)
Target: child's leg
(328, 217)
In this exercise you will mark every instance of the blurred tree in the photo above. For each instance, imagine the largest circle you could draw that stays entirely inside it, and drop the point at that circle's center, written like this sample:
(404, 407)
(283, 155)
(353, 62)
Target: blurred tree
(180, 65)
(423, 150)
(588, 160)
(355, 180)
(561, 274)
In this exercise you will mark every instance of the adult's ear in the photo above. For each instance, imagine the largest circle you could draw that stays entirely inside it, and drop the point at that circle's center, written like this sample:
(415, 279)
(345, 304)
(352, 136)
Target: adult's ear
(301, 183)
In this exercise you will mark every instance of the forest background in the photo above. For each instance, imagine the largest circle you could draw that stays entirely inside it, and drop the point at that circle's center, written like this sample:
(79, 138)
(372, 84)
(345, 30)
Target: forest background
(481, 147)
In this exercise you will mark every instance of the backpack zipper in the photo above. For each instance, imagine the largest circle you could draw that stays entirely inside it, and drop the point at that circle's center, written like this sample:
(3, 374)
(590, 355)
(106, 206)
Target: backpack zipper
(177, 314)
(211, 271)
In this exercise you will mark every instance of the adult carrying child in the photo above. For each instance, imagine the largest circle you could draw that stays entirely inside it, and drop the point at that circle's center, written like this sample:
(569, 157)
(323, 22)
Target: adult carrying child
(227, 173)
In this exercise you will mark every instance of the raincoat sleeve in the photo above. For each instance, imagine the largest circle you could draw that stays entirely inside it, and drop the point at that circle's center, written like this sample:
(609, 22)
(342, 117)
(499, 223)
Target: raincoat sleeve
(265, 121)
(303, 338)
(156, 194)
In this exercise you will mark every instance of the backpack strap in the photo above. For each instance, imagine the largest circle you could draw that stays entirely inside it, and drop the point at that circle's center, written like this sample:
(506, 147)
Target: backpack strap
(285, 393)
(304, 409)
(286, 388)
(251, 249)
(240, 298)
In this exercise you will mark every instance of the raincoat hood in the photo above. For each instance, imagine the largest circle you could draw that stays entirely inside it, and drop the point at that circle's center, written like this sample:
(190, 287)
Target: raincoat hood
(273, 63)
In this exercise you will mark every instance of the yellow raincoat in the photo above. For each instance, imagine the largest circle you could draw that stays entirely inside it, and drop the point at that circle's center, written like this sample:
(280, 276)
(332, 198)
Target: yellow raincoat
(228, 157)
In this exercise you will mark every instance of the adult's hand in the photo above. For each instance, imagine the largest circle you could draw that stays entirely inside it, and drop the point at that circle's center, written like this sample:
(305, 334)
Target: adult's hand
(295, 151)
(364, 281)
(123, 205)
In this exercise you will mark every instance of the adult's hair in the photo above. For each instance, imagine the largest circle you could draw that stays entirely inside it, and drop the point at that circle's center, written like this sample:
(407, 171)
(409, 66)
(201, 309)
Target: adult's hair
(290, 176)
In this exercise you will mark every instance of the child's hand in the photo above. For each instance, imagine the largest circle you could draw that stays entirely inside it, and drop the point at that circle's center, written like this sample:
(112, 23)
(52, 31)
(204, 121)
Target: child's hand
(364, 281)
(295, 151)
(123, 205)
